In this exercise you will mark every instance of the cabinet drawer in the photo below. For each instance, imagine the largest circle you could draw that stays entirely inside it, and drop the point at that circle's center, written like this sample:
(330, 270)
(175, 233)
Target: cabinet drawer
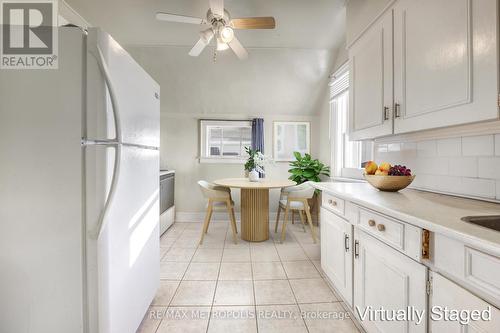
(333, 203)
(402, 236)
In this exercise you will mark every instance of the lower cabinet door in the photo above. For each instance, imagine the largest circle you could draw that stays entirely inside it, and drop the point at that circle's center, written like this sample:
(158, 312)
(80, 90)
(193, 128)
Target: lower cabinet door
(446, 295)
(389, 288)
(336, 252)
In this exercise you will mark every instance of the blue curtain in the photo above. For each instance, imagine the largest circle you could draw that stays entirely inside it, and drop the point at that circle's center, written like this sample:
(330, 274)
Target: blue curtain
(258, 136)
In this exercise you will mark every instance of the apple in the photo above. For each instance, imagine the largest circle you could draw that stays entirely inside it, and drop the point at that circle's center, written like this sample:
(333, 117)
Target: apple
(371, 167)
(385, 167)
(381, 173)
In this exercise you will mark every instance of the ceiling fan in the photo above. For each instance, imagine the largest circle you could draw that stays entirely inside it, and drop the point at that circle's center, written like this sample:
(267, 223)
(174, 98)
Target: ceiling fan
(221, 27)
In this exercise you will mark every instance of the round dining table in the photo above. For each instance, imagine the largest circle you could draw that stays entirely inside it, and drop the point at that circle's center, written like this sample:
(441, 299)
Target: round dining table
(254, 205)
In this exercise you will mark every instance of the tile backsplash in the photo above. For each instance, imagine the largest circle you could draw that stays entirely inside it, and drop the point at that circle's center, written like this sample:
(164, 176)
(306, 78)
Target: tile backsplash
(468, 166)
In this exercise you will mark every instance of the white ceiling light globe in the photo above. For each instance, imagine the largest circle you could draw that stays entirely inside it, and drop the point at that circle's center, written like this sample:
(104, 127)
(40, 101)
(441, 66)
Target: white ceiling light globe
(226, 34)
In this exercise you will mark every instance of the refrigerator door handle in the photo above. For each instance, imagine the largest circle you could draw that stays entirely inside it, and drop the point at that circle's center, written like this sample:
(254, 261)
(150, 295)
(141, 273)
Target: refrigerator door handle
(112, 94)
(112, 191)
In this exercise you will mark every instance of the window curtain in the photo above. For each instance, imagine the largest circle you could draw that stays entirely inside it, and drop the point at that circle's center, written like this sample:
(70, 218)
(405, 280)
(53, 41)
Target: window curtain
(258, 134)
(258, 137)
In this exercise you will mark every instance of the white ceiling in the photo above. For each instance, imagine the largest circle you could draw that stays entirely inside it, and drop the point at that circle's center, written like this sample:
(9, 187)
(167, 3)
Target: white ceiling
(311, 24)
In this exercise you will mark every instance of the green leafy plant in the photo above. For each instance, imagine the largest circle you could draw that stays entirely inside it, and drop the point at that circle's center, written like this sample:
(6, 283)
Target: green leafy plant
(256, 160)
(250, 163)
(307, 169)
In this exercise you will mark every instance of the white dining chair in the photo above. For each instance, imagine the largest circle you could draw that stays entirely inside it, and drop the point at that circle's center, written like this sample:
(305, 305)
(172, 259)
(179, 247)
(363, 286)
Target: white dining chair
(219, 199)
(296, 201)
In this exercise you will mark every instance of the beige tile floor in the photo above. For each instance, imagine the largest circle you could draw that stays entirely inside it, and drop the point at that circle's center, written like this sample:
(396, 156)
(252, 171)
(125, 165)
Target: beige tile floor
(265, 287)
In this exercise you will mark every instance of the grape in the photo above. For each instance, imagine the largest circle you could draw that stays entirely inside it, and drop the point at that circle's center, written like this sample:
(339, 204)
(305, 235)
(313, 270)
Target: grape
(399, 170)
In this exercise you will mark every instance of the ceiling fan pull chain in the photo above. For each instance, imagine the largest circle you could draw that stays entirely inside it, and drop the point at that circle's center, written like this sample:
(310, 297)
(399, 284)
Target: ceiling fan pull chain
(215, 55)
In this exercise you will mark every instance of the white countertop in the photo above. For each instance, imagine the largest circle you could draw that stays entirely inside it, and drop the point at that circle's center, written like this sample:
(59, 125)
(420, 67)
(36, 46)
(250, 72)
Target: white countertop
(166, 172)
(434, 212)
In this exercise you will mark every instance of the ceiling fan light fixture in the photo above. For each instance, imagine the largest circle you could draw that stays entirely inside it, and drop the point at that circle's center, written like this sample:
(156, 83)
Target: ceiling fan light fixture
(221, 46)
(226, 34)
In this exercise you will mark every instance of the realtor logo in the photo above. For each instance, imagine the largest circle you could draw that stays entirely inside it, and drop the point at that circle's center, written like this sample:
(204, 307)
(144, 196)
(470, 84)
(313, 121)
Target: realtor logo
(29, 34)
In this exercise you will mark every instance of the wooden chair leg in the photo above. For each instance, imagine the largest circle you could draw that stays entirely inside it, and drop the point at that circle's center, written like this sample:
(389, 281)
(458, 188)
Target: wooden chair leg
(293, 217)
(277, 219)
(302, 219)
(207, 221)
(309, 220)
(285, 220)
(232, 221)
(210, 213)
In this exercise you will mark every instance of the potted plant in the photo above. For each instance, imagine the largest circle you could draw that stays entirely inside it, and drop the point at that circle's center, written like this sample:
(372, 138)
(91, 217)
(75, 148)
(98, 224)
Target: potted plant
(304, 169)
(254, 166)
(250, 163)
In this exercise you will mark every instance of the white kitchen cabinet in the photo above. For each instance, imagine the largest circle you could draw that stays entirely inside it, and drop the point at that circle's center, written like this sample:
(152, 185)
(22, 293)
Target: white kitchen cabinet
(383, 277)
(432, 64)
(474, 269)
(446, 294)
(445, 63)
(336, 252)
(371, 77)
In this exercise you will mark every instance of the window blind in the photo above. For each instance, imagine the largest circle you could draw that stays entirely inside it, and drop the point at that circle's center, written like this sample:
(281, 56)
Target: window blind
(339, 81)
(339, 85)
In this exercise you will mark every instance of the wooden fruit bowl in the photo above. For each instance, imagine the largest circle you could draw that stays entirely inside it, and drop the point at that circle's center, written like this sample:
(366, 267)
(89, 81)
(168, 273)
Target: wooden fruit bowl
(389, 183)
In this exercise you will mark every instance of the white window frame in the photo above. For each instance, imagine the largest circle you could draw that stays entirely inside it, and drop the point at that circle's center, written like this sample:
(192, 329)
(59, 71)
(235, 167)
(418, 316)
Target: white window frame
(203, 143)
(339, 93)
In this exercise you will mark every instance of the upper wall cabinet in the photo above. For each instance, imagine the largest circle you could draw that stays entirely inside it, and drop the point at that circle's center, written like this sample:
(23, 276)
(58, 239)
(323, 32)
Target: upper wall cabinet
(371, 77)
(444, 61)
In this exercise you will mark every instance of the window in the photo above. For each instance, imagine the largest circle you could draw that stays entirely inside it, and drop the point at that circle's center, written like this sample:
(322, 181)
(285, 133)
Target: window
(347, 157)
(224, 141)
(289, 137)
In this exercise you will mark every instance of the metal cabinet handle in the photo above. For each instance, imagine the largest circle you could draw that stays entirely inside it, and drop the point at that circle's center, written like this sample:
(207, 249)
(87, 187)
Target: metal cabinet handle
(346, 242)
(331, 202)
(397, 110)
(371, 223)
(386, 113)
(381, 227)
(356, 249)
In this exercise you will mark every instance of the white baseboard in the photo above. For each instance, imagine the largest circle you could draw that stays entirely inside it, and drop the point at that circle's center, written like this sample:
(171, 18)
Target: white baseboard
(216, 217)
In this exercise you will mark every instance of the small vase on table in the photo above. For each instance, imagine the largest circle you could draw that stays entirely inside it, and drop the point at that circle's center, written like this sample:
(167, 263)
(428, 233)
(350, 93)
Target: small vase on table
(253, 176)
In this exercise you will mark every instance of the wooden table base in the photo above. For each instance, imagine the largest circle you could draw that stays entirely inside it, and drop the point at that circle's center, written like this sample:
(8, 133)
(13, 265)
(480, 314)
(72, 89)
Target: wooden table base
(254, 214)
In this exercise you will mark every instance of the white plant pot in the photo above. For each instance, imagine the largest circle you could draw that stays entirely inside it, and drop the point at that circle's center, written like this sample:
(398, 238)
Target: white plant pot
(253, 176)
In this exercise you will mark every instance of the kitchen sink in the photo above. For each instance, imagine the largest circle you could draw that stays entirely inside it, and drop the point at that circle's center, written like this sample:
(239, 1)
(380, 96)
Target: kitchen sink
(487, 221)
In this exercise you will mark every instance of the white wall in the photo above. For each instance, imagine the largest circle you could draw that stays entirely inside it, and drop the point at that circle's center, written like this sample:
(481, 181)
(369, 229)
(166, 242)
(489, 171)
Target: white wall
(275, 84)
(179, 151)
(271, 81)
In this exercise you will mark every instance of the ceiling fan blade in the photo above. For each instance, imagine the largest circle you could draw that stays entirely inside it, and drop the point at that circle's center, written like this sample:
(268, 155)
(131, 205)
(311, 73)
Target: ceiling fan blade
(178, 18)
(205, 38)
(238, 49)
(198, 48)
(254, 23)
(217, 7)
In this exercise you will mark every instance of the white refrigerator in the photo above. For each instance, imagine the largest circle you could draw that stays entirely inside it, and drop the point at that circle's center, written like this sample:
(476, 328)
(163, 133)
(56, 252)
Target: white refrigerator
(79, 188)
